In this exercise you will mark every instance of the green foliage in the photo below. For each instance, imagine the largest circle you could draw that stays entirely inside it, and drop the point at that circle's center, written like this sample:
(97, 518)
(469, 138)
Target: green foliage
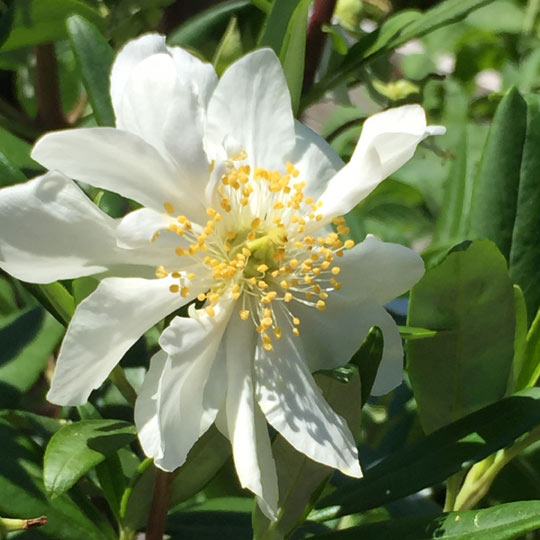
(78, 447)
(468, 298)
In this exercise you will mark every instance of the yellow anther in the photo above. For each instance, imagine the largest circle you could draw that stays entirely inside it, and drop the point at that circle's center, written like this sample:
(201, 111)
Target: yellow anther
(262, 268)
(295, 331)
(284, 284)
(323, 295)
(210, 310)
(201, 297)
(267, 322)
(320, 305)
(262, 284)
(349, 244)
(180, 251)
(184, 291)
(169, 208)
(255, 223)
(191, 276)
(288, 297)
(211, 212)
(246, 252)
(335, 270)
(161, 272)
(213, 297)
(174, 288)
(293, 263)
(244, 314)
(296, 321)
(267, 346)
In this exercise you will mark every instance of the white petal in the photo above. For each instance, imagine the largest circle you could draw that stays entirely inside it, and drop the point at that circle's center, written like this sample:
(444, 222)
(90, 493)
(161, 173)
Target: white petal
(294, 406)
(146, 408)
(201, 75)
(51, 230)
(245, 423)
(184, 413)
(378, 270)
(138, 228)
(252, 104)
(315, 159)
(115, 160)
(390, 373)
(130, 55)
(388, 140)
(105, 325)
(166, 113)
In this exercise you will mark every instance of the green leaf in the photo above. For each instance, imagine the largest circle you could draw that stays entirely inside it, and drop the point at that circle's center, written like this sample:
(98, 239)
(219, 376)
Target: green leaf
(525, 251)
(301, 480)
(520, 341)
(9, 174)
(399, 29)
(276, 24)
(83, 287)
(17, 151)
(94, 57)
(55, 298)
(6, 21)
(23, 493)
(502, 522)
(204, 460)
(202, 525)
(367, 360)
(229, 48)
(293, 52)
(440, 455)
(27, 344)
(42, 21)
(196, 29)
(496, 186)
(469, 300)
(79, 447)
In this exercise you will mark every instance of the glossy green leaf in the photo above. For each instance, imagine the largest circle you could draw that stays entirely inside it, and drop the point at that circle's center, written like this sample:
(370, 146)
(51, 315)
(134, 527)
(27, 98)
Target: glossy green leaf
(440, 455)
(525, 250)
(496, 188)
(301, 480)
(79, 447)
(42, 21)
(293, 51)
(469, 300)
(197, 28)
(55, 298)
(17, 151)
(204, 460)
(503, 522)
(9, 174)
(94, 57)
(27, 343)
(367, 360)
(520, 341)
(276, 24)
(23, 493)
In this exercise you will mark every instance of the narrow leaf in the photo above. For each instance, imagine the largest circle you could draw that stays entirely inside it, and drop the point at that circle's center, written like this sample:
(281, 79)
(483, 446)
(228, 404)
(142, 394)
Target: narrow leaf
(277, 22)
(503, 522)
(94, 57)
(440, 455)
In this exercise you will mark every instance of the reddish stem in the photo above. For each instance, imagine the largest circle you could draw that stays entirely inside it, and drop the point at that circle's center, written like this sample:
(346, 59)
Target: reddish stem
(316, 38)
(161, 499)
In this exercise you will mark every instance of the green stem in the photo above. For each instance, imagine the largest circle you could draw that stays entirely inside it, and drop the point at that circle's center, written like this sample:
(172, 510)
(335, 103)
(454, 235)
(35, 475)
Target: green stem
(453, 485)
(160, 505)
(263, 5)
(119, 379)
(481, 476)
(10, 525)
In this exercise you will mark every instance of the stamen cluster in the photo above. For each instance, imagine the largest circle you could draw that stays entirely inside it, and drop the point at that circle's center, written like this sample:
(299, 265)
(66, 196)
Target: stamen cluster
(256, 248)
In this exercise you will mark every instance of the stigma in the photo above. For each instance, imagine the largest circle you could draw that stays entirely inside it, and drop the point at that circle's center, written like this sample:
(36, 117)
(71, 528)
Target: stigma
(258, 248)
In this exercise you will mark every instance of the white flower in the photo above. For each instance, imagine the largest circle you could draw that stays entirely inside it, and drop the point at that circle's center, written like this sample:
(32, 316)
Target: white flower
(238, 200)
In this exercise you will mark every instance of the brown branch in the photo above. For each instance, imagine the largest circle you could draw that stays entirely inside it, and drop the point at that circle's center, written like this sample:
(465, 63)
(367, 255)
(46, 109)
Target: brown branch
(50, 114)
(316, 38)
(160, 505)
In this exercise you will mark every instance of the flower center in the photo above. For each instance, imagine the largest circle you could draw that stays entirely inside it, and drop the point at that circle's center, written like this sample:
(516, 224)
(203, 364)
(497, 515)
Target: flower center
(258, 250)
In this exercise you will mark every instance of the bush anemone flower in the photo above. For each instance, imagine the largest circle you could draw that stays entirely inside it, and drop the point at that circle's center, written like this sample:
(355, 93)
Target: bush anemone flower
(241, 211)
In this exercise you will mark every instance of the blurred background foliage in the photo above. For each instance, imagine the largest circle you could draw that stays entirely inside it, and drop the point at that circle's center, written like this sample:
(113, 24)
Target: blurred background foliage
(462, 431)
